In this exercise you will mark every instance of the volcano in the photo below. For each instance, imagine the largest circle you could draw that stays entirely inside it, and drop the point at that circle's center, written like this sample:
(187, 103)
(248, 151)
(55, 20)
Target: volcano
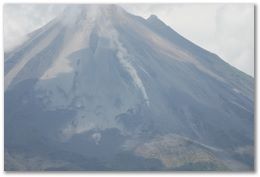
(100, 89)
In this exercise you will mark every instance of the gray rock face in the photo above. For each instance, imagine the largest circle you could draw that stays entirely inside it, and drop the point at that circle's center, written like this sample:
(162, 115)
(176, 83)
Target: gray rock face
(100, 89)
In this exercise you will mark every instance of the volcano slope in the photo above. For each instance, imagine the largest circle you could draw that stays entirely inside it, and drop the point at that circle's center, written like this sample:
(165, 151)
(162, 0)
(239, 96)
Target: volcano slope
(98, 88)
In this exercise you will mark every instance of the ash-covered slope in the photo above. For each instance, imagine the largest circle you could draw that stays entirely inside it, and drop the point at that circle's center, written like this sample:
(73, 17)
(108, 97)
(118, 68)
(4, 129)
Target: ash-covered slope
(100, 89)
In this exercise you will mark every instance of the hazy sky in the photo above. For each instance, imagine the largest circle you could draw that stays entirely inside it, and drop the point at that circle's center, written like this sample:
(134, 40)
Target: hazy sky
(224, 29)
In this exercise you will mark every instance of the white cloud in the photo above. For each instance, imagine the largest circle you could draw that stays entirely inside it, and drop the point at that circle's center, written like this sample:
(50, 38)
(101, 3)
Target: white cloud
(21, 19)
(235, 35)
(224, 29)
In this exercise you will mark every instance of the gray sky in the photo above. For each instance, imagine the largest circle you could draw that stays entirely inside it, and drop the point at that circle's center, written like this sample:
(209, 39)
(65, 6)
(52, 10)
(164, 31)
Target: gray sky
(224, 29)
